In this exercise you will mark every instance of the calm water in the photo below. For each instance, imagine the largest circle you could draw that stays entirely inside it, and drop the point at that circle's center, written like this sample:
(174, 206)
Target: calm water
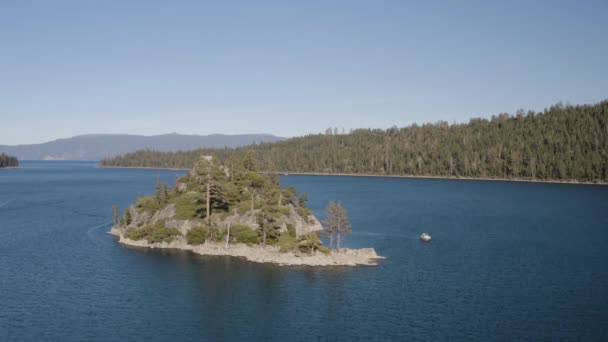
(508, 261)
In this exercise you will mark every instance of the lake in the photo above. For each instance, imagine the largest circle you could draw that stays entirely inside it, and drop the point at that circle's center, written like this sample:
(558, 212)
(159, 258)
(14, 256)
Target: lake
(508, 261)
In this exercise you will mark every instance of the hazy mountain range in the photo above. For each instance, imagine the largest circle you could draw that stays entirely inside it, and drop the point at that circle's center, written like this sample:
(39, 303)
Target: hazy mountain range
(99, 146)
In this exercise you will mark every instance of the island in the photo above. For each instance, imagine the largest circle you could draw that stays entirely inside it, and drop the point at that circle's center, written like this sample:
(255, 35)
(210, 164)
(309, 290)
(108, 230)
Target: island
(229, 208)
(7, 161)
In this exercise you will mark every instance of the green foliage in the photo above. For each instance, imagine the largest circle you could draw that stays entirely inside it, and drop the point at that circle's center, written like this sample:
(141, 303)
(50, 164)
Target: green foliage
(291, 230)
(289, 194)
(223, 191)
(283, 211)
(309, 243)
(560, 143)
(336, 222)
(249, 163)
(245, 206)
(147, 203)
(304, 212)
(187, 206)
(269, 229)
(302, 200)
(287, 243)
(153, 234)
(8, 161)
(276, 211)
(337, 218)
(244, 234)
(126, 219)
(162, 234)
(197, 235)
(216, 234)
(212, 180)
(324, 250)
(135, 233)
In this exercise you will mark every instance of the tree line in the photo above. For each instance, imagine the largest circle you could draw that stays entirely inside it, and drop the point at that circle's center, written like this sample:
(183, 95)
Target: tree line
(563, 142)
(8, 161)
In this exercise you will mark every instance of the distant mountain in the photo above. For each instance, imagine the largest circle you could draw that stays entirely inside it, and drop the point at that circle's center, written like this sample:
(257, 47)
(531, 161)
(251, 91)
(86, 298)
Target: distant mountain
(100, 146)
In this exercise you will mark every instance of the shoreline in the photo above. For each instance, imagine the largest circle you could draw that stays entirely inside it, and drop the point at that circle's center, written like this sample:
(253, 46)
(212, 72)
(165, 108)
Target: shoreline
(497, 179)
(141, 167)
(264, 254)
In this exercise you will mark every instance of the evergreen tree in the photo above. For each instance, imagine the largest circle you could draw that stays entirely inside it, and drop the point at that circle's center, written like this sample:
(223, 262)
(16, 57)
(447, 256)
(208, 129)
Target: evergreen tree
(302, 200)
(8, 161)
(212, 181)
(114, 214)
(336, 223)
(559, 143)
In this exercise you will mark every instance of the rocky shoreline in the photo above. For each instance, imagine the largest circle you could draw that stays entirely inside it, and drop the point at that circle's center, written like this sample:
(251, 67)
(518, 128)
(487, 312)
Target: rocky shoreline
(218, 210)
(264, 254)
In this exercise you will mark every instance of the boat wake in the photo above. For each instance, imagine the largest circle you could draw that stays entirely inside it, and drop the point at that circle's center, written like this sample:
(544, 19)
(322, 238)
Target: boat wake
(380, 235)
(92, 229)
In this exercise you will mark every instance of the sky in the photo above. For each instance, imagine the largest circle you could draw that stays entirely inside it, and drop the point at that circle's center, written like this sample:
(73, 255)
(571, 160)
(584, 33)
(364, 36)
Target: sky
(288, 68)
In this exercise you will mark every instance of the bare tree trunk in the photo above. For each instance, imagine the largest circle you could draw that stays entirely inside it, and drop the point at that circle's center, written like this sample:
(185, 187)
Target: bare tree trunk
(338, 229)
(331, 240)
(228, 236)
(114, 214)
(263, 237)
(208, 201)
(338, 241)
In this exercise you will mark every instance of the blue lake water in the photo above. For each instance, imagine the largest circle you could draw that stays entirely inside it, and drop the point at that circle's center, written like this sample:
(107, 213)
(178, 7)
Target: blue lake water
(508, 261)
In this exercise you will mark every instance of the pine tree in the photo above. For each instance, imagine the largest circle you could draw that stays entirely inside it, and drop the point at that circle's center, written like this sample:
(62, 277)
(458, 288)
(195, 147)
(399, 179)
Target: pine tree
(336, 223)
(559, 143)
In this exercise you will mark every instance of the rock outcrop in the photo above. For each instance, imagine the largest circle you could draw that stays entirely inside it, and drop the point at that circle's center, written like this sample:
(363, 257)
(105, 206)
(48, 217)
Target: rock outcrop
(302, 225)
(268, 254)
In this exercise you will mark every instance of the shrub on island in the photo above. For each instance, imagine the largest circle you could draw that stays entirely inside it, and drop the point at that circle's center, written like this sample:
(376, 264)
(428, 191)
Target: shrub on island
(187, 206)
(148, 203)
(244, 234)
(156, 233)
(287, 243)
(309, 243)
(197, 235)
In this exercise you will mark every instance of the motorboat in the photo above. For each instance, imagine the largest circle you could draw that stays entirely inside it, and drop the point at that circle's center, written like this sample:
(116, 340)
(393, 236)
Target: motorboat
(425, 237)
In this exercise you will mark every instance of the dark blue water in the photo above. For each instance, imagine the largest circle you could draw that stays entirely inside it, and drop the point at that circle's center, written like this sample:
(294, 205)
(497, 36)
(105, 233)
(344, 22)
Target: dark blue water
(508, 261)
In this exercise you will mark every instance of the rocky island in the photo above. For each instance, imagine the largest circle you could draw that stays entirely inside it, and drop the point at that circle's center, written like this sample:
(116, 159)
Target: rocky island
(230, 208)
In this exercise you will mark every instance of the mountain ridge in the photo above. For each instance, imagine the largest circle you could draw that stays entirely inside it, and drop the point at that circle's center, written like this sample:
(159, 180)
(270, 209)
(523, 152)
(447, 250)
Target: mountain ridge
(100, 146)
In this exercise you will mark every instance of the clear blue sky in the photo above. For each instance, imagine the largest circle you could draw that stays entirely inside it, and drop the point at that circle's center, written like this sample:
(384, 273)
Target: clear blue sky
(151, 67)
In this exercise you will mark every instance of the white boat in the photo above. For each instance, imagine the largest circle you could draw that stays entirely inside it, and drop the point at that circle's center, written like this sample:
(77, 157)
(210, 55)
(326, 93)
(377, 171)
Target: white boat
(425, 237)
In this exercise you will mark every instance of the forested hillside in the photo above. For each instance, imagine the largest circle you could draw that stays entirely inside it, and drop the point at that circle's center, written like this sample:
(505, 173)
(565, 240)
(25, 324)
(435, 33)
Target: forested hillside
(8, 161)
(560, 143)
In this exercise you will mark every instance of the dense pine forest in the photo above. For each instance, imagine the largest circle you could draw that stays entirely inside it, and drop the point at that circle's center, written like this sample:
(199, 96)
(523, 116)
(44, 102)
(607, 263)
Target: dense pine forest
(8, 161)
(561, 143)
